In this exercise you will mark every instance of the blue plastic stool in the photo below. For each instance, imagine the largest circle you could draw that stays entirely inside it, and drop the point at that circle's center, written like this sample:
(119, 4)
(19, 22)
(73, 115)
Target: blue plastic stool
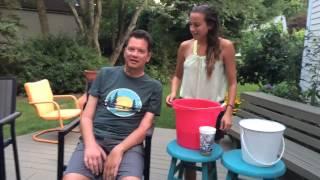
(232, 160)
(189, 158)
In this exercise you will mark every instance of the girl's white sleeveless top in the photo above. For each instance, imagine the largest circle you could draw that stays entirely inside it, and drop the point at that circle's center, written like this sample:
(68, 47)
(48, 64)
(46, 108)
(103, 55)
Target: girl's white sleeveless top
(196, 83)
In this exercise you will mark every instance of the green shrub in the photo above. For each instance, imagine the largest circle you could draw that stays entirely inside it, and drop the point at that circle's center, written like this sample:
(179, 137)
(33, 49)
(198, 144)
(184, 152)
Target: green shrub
(162, 74)
(270, 56)
(60, 59)
(285, 90)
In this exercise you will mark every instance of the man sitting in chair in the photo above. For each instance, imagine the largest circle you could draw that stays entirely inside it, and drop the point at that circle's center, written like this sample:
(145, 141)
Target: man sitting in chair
(121, 107)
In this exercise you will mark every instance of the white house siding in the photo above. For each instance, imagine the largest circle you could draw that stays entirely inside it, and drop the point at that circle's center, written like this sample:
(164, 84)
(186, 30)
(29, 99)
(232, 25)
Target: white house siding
(58, 23)
(310, 72)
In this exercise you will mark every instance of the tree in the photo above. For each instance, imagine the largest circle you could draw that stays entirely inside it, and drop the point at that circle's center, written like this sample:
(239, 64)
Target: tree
(9, 26)
(114, 100)
(11, 4)
(42, 13)
(87, 14)
(168, 24)
(235, 15)
(295, 7)
(122, 36)
(10, 22)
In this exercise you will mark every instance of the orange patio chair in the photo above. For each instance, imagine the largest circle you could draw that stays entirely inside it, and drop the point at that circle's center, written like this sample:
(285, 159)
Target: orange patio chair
(41, 97)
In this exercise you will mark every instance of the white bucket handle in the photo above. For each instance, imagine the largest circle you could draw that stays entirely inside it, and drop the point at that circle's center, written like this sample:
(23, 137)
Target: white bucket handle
(257, 161)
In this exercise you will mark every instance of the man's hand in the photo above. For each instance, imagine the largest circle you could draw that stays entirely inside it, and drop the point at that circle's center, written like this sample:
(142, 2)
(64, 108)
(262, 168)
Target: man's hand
(94, 157)
(113, 162)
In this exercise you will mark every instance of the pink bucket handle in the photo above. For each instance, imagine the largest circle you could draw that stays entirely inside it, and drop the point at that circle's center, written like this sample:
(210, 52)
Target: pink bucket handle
(221, 107)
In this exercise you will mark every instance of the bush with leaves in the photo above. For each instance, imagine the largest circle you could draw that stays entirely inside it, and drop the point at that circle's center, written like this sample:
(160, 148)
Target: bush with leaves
(285, 90)
(60, 59)
(270, 56)
(9, 26)
(310, 80)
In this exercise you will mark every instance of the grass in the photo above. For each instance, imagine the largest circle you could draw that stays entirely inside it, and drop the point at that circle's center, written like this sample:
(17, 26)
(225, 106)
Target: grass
(29, 121)
(246, 87)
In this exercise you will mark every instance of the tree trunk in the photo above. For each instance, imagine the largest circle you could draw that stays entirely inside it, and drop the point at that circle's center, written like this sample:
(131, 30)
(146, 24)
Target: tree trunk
(122, 13)
(88, 18)
(96, 26)
(116, 53)
(43, 18)
(113, 39)
(77, 19)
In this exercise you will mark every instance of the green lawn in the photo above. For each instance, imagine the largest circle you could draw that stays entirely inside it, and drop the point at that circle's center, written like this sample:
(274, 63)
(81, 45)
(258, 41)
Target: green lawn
(30, 122)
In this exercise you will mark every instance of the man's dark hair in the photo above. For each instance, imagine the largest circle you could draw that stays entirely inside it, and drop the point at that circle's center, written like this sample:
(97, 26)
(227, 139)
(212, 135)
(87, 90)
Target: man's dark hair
(141, 34)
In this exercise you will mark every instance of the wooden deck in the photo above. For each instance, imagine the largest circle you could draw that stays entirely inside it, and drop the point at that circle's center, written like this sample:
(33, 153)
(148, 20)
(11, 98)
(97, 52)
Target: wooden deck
(38, 161)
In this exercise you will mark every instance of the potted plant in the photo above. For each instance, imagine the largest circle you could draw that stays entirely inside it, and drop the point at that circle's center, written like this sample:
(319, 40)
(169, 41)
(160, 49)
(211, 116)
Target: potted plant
(90, 75)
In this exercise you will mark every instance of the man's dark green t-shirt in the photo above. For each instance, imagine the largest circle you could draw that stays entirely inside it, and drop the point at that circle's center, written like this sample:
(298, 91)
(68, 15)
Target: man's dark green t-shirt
(122, 103)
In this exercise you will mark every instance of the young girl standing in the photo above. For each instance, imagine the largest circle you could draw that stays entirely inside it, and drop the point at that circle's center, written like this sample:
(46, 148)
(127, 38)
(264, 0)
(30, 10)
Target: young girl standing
(206, 67)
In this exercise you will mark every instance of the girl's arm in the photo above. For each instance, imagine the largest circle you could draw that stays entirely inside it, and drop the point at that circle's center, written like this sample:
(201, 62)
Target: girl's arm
(231, 72)
(176, 80)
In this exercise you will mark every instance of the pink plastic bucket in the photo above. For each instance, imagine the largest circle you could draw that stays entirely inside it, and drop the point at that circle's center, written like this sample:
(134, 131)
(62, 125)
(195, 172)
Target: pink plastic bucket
(190, 115)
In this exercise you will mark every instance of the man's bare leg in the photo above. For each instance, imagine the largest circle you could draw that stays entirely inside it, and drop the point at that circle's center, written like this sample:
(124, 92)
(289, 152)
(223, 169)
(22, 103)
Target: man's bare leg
(75, 176)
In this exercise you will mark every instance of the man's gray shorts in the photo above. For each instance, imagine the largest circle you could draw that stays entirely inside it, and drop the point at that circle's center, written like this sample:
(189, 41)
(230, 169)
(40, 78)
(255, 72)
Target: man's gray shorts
(131, 165)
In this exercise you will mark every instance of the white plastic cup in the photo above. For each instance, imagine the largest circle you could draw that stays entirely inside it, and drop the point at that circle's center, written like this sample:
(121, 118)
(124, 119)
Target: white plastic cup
(207, 134)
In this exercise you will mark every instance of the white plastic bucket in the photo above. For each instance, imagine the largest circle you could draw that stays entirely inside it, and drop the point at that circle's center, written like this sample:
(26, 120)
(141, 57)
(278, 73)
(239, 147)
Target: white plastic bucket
(262, 142)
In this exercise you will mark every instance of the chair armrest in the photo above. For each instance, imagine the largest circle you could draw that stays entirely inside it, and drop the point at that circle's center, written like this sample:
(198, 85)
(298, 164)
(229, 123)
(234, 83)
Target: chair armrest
(10, 118)
(44, 102)
(61, 134)
(150, 131)
(69, 127)
(68, 97)
(147, 152)
(56, 105)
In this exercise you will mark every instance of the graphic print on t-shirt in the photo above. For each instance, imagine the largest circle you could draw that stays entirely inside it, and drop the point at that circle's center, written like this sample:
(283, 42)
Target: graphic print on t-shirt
(123, 102)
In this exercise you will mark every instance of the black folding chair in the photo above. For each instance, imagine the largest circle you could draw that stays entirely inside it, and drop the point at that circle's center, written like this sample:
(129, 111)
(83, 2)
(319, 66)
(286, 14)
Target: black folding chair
(8, 114)
(68, 128)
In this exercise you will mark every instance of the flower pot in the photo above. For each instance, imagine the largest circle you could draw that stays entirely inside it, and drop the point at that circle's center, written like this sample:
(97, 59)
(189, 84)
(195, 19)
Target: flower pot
(90, 75)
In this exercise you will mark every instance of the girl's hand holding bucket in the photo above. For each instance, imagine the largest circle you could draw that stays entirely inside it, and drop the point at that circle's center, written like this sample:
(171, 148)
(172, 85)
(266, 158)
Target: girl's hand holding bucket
(170, 98)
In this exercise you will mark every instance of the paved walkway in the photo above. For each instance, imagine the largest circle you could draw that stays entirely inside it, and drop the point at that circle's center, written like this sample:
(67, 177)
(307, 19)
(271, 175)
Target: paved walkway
(38, 161)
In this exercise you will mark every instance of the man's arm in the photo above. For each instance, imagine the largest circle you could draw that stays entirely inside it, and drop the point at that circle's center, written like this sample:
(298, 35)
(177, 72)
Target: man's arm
(136, 137)
(94, 155)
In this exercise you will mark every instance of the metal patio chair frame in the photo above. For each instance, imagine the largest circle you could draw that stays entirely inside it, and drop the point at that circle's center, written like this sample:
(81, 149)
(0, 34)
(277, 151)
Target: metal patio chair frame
(8, 115)
(41, 97)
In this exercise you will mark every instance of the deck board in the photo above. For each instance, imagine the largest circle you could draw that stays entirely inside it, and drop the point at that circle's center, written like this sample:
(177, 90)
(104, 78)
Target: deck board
(38, 161)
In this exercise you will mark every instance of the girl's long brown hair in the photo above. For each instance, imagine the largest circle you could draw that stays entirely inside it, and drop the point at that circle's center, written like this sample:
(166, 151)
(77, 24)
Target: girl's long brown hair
(213, 43)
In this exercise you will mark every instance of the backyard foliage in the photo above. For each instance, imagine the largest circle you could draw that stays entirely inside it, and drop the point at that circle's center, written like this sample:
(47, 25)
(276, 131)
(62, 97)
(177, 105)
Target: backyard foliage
(168, 24)
(87, 14)
(270, 56)
(59, 59)
(9, 26)
(312, 67)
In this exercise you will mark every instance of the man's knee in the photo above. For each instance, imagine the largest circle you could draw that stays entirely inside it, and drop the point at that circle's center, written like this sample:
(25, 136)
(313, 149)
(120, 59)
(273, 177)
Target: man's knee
(130, 178)
(75, 176)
